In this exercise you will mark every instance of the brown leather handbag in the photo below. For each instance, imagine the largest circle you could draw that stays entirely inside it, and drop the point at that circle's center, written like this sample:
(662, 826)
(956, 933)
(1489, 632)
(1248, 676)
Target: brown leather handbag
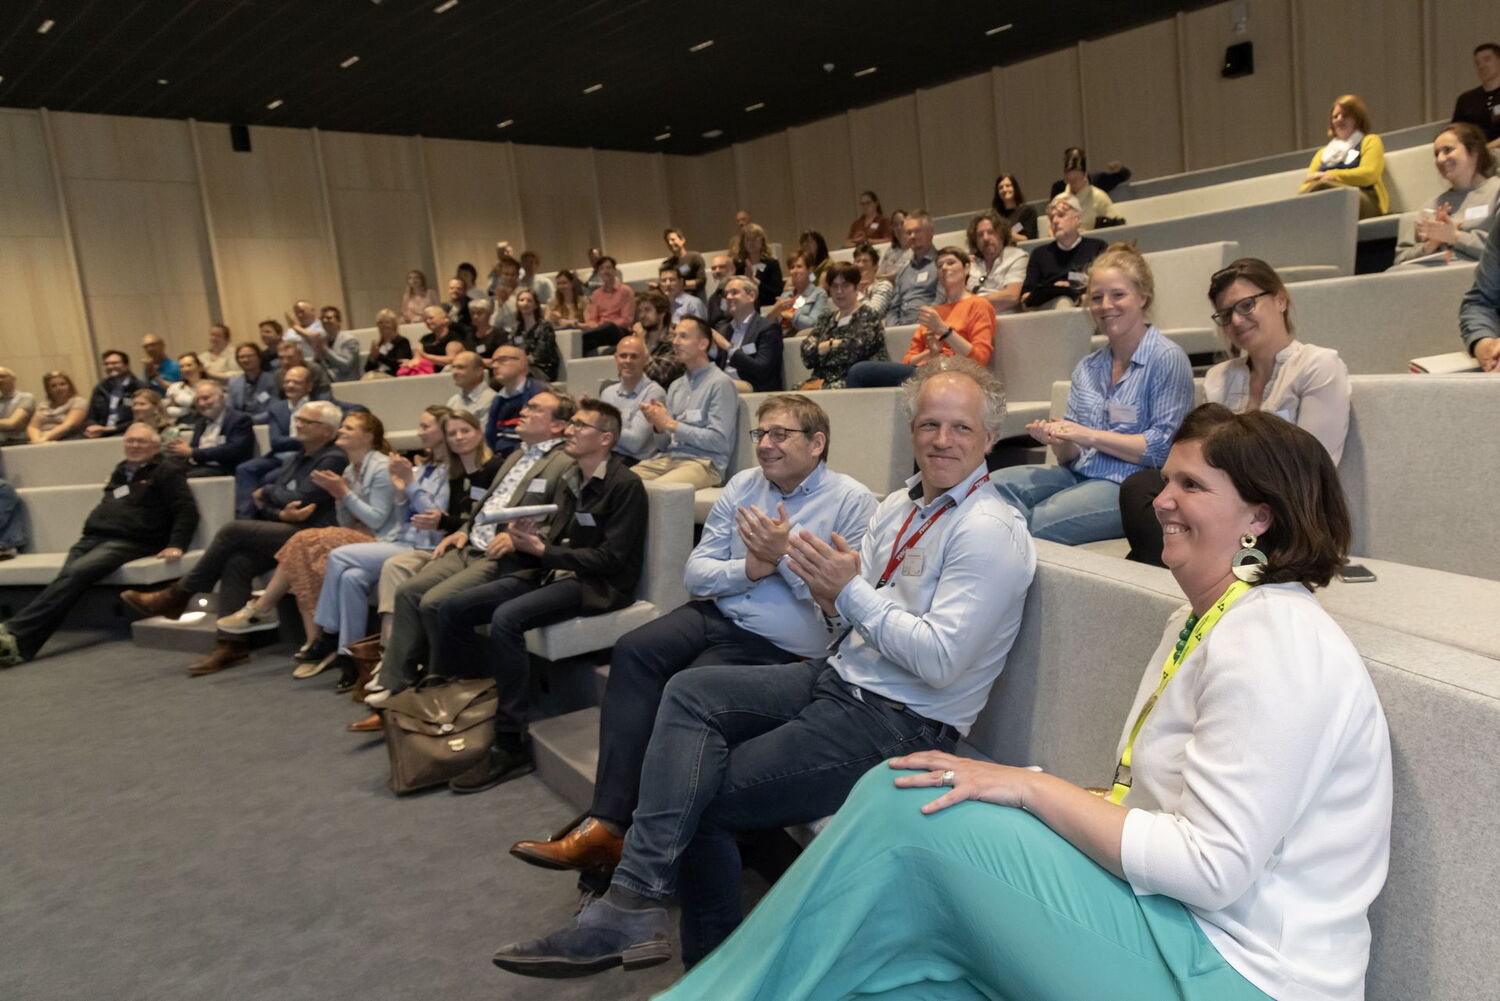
(437, 730)
(366, 654)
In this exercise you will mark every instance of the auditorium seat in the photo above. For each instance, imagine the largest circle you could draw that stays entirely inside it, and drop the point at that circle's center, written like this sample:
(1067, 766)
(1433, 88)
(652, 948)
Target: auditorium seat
(397, 402)
(81, 461)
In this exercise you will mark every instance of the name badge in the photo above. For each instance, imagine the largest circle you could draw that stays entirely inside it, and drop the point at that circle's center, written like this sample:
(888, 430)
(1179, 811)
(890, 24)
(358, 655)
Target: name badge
(844, 321)
(921, 276)
(693, 417)
(477, 493)
(1352, 155)
(585, 519)
(262, 396)
(123, 490)
(684, 268)
(385, 348)
(749, 348)
(1078, 277)
(1476, 212)
(797, 302)
(291, 484)
(911, 563)
(538, 486)
(482, 349)
(1121, 413)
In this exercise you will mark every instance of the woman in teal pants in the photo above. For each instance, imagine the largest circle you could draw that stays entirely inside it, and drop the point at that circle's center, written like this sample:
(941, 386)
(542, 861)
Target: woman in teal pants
(1233, 859)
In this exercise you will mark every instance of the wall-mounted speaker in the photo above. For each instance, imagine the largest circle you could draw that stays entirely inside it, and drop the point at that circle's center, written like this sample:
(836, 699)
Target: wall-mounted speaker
(1239, 60)
(239, 137)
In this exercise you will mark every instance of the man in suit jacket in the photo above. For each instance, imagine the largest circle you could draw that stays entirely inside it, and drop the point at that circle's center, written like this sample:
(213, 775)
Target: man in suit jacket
(475, 554)
(747, 346)
(586, 563)
(246, 548)
(222, 438)
(147, 510)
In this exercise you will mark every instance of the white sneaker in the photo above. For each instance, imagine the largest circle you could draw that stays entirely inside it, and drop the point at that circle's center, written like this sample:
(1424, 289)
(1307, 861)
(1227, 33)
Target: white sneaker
(249, 620)
(374, 685)
(377, 698)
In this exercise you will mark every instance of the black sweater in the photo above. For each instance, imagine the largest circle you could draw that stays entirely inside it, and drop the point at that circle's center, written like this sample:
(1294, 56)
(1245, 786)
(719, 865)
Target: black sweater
(157, 508)
(460, 499)
(1051, 264)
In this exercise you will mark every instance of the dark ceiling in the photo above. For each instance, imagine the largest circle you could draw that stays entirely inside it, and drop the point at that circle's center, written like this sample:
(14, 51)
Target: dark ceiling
(459, 73)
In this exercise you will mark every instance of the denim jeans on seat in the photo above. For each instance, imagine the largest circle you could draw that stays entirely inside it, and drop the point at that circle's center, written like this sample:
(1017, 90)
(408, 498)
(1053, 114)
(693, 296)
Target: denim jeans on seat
(1061, 506)
(13, 533)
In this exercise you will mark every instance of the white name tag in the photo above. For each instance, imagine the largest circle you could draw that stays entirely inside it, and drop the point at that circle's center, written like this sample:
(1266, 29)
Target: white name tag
(482, 349)
(1352, 155)
(291, 485)
(538, 486)
(1476, 212)
(684, 268)
(921, 276)
(262, 396)
(797, 302)
(749, 347)
(911, 563)
(477, 493)
(845, 320)
(123, 490)
(385, 348)
(1078, 276)
(585, 519)
(693, 417)
(1121, 413)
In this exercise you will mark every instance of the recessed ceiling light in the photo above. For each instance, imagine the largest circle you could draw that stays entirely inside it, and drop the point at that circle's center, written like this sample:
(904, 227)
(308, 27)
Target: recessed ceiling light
(713, 133)
(664, 135)
(348, 62)
(590, 90)
(445, 6)
(162, 80)
(866, 71)
(505, 124)
(275, 104)
(45, 26)
(756, 106)
(996, 31)
(701, 46)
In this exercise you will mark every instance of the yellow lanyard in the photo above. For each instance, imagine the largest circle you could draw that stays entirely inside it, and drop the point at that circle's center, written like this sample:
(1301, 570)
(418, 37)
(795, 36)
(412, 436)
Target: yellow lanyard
(1192, 635)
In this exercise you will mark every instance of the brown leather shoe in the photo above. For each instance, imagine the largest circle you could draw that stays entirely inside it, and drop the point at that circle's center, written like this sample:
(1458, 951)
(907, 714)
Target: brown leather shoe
(590, 845)
(226, 653)
(370, 724)
(171, 601)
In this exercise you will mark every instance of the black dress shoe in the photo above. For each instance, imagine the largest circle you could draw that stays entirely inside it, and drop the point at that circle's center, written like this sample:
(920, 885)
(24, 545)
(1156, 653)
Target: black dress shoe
(501, 764)
(348, 673)
(315, 650)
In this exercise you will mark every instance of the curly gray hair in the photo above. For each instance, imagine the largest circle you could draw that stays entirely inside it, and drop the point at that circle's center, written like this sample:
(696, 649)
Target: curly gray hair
(989, 384)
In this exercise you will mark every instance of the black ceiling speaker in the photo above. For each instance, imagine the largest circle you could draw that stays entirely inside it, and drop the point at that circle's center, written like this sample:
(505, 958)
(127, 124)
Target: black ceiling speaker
(239, 138)
(1239, 60)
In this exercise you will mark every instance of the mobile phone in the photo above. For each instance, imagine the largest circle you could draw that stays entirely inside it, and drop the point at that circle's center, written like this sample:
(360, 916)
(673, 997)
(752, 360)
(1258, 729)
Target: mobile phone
(1356, 573)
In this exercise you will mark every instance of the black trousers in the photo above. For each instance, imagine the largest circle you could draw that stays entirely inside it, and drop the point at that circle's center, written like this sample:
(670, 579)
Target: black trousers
(91, 559)
(604, 335)
(239, 552)
(1143, 531)
(644, 660)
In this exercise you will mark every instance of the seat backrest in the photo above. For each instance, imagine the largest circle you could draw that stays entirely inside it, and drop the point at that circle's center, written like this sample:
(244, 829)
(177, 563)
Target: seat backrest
(869, 431)
(55, 515)
(1181, 279)
(397, 402)
(669, 540)
(61, 463)
(214, 496)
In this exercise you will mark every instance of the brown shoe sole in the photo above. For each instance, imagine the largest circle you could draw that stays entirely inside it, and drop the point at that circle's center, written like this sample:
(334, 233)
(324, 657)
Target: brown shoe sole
(199, 670)
(522, 851)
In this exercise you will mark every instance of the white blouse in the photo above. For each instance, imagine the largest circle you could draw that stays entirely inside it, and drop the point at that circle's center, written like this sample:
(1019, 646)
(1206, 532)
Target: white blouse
(1309, 386)
(1261, 794)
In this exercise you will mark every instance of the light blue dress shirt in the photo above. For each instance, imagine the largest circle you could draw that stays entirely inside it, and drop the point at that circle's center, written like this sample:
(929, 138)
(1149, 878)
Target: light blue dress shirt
(707, 411)
(638, 439)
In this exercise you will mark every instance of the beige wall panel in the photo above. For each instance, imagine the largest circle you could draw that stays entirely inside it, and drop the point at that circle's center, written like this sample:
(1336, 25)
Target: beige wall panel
(763, 172)
(822, 179)
(28, 198)
(558, 202)
(381, 236)
(1370, 48)
(370, 162)
(1247, 117)
(956, 125)
(43, 329)
(113, 147)
(1039, 112)
(1131, 99)
(268, 223)
(1458, 26)
(633, 205)
(885, 153)
(471, 188)
(702, 196)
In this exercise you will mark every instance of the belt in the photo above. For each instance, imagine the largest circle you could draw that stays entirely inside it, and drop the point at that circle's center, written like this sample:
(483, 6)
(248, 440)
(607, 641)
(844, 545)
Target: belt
(938, 726)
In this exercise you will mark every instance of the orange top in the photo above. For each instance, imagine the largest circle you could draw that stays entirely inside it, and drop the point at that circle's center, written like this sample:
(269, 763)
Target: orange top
(972, 318)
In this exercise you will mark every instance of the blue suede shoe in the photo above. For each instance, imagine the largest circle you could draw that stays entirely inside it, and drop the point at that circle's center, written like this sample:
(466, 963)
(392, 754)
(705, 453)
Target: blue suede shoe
(601, 936)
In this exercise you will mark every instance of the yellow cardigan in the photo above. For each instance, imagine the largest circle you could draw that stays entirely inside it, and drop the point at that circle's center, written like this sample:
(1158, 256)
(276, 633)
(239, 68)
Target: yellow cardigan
(1369, 174)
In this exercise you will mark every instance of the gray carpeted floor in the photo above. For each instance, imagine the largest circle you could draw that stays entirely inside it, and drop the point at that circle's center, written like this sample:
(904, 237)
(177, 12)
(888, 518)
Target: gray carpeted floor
(167, 838)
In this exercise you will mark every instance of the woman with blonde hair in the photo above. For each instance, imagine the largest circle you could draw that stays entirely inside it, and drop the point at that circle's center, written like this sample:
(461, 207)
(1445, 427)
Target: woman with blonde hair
(1354, 157)
(416, 296)
(180, 395)
(389, 349)
(565, 311)
(62, 412)
(755, 260)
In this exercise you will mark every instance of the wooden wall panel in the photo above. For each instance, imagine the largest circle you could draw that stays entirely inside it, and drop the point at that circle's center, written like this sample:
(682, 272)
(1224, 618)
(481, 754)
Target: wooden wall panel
(1131, 100)
(1458, 26)
(885, 153)
(633, 205)
(559, 202)
(44, 329)
(701, 193)
(822, 178)
(1371, 49)
(379, 219)
(1230, 120)
(471, 187)
(763, 172)
(269, 224)
(1040, 113)
(956, 130)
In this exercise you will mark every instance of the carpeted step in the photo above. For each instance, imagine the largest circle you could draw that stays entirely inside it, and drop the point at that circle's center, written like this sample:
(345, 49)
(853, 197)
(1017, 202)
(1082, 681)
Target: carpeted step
(567, 753)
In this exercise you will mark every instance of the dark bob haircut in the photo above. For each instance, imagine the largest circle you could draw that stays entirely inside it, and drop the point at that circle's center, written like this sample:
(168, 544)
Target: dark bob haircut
(1272, 461)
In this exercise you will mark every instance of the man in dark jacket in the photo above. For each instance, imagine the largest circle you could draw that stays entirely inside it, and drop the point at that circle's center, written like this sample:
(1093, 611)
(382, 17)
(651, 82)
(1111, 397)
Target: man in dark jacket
(246, 548)
(746, 345)
(147, 510)
(586, 562)
(222, 437)
(109, 404)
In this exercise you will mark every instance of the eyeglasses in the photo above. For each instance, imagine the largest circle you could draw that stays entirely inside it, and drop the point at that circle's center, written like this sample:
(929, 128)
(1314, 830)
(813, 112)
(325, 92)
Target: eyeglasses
(1244, 307)
(777, 435)
(578, 425)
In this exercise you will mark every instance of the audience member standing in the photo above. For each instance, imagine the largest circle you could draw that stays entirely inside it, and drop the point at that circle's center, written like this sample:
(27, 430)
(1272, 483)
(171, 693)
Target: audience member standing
(109, 406)
(1480, 107)
(1354, 157)
(687, 263)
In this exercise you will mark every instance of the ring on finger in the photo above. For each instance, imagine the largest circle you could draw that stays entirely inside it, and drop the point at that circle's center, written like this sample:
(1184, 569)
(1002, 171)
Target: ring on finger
(947, 778)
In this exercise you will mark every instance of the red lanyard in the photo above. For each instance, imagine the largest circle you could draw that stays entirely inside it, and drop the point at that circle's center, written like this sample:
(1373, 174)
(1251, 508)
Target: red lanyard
(898, 549)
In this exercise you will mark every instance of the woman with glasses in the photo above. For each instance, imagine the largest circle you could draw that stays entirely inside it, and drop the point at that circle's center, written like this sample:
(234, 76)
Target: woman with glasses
(846, 335)
(1268, 370)
(871, 226)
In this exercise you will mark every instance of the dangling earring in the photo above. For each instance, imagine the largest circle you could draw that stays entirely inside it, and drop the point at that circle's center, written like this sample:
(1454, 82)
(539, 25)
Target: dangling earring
(1249, 561)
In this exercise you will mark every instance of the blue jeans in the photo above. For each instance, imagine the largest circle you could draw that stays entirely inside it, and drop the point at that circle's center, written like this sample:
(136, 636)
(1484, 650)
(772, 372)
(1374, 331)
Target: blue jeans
(344, 603)
(748, 748)
(869, 374)
(1061, 506)
(12, 518)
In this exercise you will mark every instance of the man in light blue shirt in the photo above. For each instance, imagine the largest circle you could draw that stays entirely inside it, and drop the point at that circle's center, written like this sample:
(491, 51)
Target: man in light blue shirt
(683, 303)
(917, 283)
(698, 418)
(638, 439)
(930, 604)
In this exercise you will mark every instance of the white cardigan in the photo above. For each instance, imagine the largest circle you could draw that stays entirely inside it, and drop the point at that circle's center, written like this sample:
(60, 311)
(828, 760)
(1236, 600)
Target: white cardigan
(1262, 794)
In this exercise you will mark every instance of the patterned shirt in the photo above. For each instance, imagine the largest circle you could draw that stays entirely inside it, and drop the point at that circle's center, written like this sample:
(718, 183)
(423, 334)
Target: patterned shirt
(860, 337)
(499, 498)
